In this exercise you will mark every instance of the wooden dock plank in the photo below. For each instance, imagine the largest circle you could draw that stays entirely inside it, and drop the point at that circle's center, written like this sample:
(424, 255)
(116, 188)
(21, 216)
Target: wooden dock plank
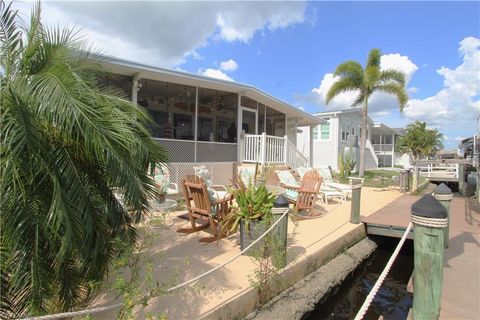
(461, 268)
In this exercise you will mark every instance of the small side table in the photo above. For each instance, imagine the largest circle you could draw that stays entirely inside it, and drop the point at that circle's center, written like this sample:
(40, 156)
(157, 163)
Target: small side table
(164, 208)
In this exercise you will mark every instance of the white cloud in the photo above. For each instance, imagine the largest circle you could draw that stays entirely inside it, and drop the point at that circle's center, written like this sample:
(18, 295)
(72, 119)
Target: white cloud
(215, 73)
(229, 65)
(164, 33)
(458, 101)
(379, 102)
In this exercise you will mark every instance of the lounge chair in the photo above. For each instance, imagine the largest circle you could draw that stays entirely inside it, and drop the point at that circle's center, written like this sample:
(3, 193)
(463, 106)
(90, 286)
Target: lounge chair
(219, 191)
(246, 175)
(334, 184)
(201, 206)
(287, 180)
(305, 196)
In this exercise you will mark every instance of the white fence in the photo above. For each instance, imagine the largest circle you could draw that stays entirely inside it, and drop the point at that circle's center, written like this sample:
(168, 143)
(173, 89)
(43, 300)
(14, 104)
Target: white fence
(266, 149)
(439, 170)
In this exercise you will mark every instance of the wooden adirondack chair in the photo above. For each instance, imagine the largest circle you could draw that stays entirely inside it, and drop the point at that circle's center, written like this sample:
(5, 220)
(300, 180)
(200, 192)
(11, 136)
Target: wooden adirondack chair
(305, 196)
(200, 206)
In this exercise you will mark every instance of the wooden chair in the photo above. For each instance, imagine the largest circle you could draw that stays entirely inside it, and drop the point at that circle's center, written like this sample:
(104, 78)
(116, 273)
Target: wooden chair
(305, 196)
(200, 206)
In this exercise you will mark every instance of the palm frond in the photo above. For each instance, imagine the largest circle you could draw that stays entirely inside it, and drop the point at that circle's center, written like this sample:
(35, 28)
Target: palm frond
(341, 86)
(397, 90)
(374, 57)
(391, 75)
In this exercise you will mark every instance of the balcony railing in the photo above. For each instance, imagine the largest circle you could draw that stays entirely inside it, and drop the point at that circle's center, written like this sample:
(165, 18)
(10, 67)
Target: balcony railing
(382, 147)
(267, 149)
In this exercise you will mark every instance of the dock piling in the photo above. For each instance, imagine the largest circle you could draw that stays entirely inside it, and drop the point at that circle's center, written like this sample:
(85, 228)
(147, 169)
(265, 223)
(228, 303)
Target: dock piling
(429, 218)
(356, 184)
(461, 179)
(444, 195)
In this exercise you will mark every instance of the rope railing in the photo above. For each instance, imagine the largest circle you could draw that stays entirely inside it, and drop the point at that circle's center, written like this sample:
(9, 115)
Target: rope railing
(86, 312)
(366, 304)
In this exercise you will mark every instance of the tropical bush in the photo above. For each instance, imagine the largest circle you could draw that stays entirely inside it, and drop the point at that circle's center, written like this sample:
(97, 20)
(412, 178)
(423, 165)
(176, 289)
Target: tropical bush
(420, 141)
(66, 142)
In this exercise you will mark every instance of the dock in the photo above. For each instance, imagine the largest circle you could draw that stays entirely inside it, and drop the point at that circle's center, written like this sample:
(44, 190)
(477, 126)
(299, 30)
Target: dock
(461, 267)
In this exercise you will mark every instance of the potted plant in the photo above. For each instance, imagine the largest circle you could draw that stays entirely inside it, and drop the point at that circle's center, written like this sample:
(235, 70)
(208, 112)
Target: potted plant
(253, 213)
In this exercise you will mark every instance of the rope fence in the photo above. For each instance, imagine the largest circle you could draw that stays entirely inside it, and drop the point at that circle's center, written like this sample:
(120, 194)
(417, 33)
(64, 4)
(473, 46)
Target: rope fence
(366, 304)
(181, 285)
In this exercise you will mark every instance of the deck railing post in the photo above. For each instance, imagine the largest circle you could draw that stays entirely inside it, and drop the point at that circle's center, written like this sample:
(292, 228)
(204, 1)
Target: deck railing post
(263, 148)
(444, 195)
(285, 150)
(461, 179)
(429, 218)
(356, 185)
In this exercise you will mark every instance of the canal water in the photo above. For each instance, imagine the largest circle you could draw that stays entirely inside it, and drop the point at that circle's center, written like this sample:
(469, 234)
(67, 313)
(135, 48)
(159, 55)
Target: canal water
(392, 300)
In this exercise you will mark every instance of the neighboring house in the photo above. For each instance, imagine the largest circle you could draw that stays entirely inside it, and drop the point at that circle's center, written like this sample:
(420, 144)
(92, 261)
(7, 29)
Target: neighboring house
(343, 128)
(210, 121)
(383, 139)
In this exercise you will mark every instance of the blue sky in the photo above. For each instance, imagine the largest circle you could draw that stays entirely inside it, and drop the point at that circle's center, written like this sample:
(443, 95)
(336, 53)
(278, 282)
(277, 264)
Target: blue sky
(290, 49)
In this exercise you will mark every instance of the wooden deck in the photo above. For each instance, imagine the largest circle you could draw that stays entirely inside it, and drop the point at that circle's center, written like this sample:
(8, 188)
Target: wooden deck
(461, 268)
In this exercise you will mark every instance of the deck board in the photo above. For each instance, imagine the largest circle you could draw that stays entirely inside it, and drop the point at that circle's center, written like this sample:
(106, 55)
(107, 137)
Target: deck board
(461, 268)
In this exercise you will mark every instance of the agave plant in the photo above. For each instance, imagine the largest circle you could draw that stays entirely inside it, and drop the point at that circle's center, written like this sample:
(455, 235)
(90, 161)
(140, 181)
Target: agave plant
(66, 141)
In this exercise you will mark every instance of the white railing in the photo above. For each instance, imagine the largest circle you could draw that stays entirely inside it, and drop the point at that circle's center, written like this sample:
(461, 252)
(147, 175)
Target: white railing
(372, 151)
(295, 158)
(267, 149)
(444, 171)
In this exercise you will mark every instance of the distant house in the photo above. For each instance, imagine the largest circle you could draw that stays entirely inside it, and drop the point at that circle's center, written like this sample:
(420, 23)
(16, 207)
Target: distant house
(342, 128)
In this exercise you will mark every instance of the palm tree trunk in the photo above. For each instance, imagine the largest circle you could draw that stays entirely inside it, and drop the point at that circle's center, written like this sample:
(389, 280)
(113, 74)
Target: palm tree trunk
(363, 138)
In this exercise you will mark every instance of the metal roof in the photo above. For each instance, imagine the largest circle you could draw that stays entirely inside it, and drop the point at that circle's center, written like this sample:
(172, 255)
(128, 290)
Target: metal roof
(130, 68)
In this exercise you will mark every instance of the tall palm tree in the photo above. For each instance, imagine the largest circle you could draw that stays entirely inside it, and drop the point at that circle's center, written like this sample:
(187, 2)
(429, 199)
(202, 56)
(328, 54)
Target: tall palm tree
(420, 141)
(353, 77)
(66, 141)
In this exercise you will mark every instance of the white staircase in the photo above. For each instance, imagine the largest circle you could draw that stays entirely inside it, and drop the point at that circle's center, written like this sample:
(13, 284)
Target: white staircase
(265, 149)
(371, 159)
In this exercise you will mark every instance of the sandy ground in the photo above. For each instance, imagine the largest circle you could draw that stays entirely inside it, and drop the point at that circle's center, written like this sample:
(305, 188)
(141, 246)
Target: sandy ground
(178, 257)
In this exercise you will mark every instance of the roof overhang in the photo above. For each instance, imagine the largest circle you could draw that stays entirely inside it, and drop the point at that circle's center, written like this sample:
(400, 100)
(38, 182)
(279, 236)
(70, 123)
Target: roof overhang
(128, 68)
(380, 128)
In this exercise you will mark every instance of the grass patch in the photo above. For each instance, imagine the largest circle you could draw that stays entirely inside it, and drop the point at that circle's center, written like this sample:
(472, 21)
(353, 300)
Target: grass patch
(377, 178)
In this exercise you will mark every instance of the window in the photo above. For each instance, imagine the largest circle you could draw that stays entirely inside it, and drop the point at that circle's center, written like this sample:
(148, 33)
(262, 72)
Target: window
(315, 133)
(275, 123)
(172, 107)
(217, 116)
(345, 130)
(322, 131)
(325, 131)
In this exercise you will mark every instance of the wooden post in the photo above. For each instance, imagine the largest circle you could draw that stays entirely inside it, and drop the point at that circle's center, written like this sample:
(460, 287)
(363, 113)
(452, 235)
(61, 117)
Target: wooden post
(429, 218)
(415, 179)
(356, 184)
(461, 179)
(444, 195)
(280, 233)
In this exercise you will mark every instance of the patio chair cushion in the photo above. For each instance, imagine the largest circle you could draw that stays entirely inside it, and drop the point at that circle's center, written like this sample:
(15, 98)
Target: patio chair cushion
(325, 174)
(286, 177)
(204, 173)
(247, 174)
(162, 179)
(291, 194)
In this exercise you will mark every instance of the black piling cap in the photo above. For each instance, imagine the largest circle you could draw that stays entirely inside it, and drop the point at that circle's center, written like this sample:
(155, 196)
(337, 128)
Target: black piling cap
(442, 189)
(281, 202)
(429, 207)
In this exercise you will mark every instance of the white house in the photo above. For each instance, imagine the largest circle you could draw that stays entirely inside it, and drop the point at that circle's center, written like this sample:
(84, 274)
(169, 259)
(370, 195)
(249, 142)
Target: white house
(201, 120)
(343, 127)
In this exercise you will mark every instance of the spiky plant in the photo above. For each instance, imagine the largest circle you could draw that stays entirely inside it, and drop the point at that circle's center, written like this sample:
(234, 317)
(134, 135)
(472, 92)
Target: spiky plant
(66, 141)
(352, 77)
